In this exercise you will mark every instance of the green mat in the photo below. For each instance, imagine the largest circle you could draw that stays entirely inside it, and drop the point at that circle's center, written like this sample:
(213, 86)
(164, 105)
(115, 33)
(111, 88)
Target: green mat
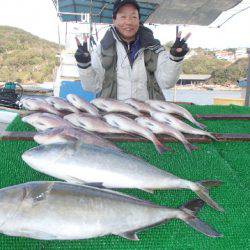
(227, 161)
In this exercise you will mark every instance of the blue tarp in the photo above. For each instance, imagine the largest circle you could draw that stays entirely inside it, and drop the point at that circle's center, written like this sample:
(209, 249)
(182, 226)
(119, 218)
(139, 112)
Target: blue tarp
(101, 10)
(69, 87)
(242, 83)
(200, 12)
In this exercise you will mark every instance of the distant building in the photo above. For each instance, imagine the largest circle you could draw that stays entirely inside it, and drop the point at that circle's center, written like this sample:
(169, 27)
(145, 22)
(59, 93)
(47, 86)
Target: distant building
(241, 53)
(192, 79)
(225, 55)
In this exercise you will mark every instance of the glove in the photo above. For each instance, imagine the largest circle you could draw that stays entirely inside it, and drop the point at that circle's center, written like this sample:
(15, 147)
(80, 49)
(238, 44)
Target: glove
(179, 48)
(82, 55)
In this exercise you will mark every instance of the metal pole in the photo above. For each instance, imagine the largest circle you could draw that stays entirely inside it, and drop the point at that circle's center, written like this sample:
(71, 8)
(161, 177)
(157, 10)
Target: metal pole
(58, 30)
(247, 99)
(175, 87)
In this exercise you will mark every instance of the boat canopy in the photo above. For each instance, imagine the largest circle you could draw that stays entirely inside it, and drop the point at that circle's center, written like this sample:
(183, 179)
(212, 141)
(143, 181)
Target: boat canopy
(197, 12)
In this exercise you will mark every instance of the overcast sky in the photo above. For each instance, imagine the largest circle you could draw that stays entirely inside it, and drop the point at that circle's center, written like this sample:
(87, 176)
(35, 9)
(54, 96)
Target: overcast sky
(39, 18)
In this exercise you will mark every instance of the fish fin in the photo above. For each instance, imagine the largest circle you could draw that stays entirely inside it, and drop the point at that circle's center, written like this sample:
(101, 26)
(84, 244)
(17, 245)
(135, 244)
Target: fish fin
(75, 180)
(147, 190)
(190, 147)
(168, 149)
(202, 192)
(129, 236)
(95, 184)
(193, 206)
(200, 226)
(210, 183)
(69, 138)
(212, 136)
(200, 125)
(160, 147)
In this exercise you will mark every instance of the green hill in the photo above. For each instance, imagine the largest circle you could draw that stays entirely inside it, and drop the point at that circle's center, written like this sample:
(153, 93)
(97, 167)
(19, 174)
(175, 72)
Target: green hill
(25, 57)
(222, 72)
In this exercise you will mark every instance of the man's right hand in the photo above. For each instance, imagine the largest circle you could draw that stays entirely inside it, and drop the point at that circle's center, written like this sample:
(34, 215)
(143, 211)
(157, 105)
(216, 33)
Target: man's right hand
(82, 54)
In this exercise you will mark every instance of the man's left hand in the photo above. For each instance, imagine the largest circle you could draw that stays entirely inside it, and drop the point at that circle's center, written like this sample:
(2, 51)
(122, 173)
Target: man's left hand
(180, 48)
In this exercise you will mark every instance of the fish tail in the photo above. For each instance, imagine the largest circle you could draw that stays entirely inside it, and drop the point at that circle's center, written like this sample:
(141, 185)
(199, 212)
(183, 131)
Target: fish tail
(210, 183)
(200, 125)
(188, 215)
(199, 225)
(160, 147)
(192, 206)
(211, 136)
(202, 192)
(189, 147)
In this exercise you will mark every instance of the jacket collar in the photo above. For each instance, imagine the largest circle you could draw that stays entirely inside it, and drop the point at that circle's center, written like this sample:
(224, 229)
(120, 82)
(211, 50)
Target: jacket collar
(147, 40)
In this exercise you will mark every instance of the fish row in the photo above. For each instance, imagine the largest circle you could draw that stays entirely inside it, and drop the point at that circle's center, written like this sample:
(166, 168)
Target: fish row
(63, 211)
(159, 123)
(75, 104)
(83, 207)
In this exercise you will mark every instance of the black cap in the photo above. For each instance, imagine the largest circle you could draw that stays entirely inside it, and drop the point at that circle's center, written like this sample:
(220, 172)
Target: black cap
(119, 3)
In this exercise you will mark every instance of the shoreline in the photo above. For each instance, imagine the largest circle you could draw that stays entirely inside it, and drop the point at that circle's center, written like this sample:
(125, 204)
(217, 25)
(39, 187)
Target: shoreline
(209, 87)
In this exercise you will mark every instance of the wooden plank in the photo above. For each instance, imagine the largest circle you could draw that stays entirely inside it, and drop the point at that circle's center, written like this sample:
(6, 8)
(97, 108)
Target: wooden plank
(24, 136)
(224, 116)
(17, 136)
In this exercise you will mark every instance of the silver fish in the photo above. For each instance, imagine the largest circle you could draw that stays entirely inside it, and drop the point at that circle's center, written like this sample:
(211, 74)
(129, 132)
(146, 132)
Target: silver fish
(139, 105)
(70, 134)
(111, 105)
(61, 211)
(129, 125)
(38, 104)
(162, 128)
(43, 121)
(178, 124)
(172, 108)
(82, 105)
(61, 104)
(92, 123)
(85, 164)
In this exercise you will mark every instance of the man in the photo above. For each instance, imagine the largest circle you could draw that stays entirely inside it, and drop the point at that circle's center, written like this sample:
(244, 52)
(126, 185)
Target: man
(129, 62)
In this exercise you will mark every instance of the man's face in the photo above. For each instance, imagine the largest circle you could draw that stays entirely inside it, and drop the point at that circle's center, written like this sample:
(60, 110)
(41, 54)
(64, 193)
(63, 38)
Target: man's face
(127, 22)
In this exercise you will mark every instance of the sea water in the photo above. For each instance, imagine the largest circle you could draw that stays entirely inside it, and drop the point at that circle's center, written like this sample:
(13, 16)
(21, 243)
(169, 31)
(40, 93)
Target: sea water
(201, 97)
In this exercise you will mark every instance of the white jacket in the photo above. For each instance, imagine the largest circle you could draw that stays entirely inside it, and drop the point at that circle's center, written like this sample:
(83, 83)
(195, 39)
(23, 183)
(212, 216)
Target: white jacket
(131, 82)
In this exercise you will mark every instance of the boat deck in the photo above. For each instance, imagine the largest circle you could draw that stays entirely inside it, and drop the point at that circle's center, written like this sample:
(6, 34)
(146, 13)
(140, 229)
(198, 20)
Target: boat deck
(225, 161)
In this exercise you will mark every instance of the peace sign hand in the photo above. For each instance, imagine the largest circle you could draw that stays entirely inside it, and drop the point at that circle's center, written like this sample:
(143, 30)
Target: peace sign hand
(82, 54)
(180, 48)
